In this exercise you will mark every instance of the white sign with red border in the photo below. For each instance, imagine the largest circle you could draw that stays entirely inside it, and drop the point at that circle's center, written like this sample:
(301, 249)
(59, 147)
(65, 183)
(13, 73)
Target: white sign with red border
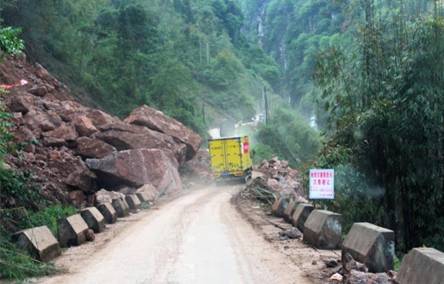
(322, 184)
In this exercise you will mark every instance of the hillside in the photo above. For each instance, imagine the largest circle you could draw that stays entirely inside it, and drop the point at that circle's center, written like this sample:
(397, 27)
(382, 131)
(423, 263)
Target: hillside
(187, 58)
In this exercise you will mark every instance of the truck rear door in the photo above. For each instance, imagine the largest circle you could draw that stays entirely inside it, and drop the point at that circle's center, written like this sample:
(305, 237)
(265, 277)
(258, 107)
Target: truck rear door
(226, 158)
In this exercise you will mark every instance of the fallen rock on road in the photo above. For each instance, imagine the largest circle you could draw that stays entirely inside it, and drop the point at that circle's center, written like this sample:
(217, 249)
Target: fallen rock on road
(57, 134)
(137, 168)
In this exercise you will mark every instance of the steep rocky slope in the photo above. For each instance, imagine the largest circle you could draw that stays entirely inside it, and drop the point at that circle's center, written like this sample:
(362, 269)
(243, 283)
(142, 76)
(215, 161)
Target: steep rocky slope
(72, 150)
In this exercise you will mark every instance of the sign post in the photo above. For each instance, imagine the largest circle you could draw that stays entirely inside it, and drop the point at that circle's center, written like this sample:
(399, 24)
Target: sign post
(322, 184)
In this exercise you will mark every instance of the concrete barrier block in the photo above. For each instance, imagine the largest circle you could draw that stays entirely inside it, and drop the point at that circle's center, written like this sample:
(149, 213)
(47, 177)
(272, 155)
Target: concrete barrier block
(94, 219)
(300, 215)
(323, 229)
(72, 231)
(372, 245)
(133, 202)
(39, 242)
(289, 210)
(422, 265)
(279, 206)
(143, 196)
(108, 212)
(121, 207)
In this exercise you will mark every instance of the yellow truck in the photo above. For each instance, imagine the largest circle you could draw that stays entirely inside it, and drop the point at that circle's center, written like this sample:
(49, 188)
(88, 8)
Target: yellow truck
(230, 157)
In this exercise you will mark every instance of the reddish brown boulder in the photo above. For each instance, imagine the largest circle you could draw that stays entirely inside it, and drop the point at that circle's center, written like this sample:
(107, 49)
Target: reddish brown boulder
(93, 148)
(68, 110)
(126, 137)
(83, 179)
(100, 118)
(41, 121)
(22, 102)
(136, 168)
(77, 198)
(23, 135)
(39, 90)
(60, 136)
(157, 120)
(84, 126)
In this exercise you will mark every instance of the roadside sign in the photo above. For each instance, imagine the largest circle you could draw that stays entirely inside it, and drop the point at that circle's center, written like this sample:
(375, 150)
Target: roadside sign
(322, 184)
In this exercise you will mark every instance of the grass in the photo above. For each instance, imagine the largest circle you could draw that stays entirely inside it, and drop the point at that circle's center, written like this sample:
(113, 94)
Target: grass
(18, 265)
(47, 217)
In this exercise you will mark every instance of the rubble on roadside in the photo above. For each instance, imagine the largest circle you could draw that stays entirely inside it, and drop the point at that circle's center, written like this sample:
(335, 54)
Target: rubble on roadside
(274, 179)
(71, 150)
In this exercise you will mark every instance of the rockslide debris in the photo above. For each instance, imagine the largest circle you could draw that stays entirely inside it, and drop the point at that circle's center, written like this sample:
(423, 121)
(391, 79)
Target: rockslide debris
(72, 150)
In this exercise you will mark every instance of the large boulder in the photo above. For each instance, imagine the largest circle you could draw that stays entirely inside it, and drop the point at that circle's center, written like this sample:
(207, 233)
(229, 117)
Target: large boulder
(138, 167)
(94, 219)
(156, 120)
(422, 265)
(62, 135)
(81, 177)
(100, 118)
(84, 125)
(21, 102)
(323, 229)
(41, 121)
(126, 137)
(106, 196)
(372, 245)
(72, 231)
(300, 215)
(39, 242)
(93, 148)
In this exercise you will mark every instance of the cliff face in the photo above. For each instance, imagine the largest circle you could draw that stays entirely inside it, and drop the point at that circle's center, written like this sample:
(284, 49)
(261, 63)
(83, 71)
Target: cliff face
(72, 150)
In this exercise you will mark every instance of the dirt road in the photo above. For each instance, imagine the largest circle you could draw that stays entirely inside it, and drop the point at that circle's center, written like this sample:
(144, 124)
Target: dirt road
(197, 238)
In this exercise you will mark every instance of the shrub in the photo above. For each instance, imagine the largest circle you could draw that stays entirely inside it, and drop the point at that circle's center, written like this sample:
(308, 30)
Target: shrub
(10, 42)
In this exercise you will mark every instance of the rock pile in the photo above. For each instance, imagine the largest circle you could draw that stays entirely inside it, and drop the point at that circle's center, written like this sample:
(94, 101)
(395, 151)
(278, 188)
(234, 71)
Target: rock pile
(280, 177)
(72, 150)
(274, 181)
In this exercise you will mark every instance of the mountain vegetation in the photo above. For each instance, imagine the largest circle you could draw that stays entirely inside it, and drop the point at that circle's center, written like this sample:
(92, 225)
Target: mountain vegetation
(368, 73)
(187, 58)
(372, 73)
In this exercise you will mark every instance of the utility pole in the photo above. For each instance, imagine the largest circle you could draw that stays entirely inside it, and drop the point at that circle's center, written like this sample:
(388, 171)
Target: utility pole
(267, 113)
(200, 50)
(208, 53)
(203, 114)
